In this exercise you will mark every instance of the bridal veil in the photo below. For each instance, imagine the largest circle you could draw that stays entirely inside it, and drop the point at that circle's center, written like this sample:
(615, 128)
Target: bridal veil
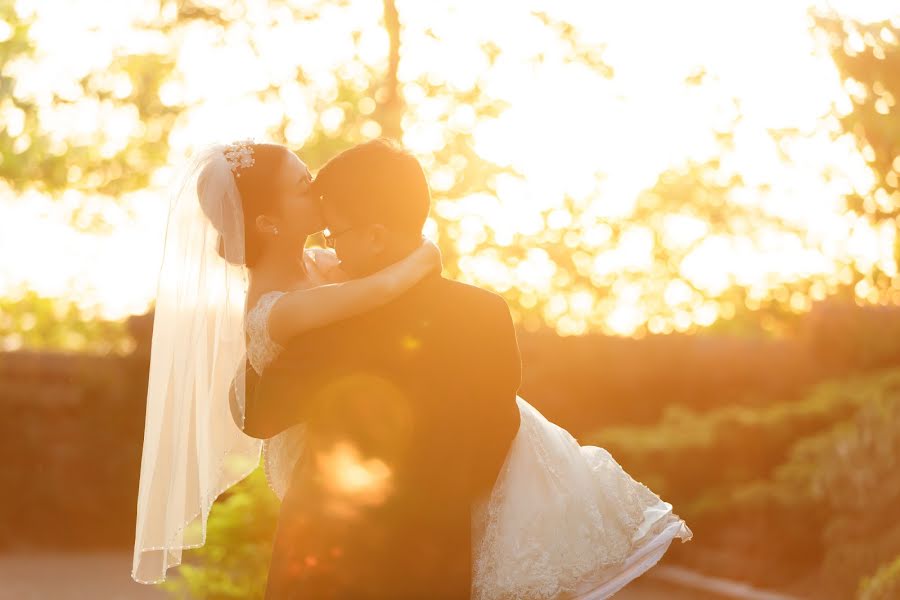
(194, 448)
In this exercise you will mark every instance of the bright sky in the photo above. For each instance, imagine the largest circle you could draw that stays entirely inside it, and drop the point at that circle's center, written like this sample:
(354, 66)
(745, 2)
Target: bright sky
(565, 128)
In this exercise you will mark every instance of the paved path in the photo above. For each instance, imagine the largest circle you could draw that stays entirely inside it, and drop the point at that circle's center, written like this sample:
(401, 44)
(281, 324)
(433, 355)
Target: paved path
(648, 587)
(76, 576)
(107, 576)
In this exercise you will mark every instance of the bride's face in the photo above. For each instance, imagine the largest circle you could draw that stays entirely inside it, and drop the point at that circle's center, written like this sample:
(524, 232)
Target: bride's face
(298, 214)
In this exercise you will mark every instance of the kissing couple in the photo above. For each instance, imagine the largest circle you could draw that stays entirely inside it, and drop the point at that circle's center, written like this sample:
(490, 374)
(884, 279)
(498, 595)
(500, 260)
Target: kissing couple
(381, 395)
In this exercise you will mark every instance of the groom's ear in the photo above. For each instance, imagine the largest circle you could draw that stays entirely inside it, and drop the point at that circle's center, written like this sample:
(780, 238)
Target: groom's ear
(378, 238)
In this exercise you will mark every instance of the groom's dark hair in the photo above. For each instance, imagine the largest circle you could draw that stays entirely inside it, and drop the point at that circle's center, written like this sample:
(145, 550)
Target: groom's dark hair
(376, 182)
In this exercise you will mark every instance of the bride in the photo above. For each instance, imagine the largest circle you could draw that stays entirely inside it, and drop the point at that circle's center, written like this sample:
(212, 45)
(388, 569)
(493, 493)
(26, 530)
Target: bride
(562, 520)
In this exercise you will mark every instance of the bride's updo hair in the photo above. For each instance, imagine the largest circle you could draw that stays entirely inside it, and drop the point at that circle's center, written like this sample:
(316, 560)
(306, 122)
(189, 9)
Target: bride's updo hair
(258, 188)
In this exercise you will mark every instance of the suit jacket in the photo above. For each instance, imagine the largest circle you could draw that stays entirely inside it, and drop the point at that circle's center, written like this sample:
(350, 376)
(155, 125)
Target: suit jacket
(410, 410)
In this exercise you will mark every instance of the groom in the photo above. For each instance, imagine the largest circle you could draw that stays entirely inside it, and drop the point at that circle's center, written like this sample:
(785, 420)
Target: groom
(409, 409)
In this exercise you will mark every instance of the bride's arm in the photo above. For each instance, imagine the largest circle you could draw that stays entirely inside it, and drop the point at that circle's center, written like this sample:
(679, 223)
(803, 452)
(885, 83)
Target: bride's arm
(302, 310)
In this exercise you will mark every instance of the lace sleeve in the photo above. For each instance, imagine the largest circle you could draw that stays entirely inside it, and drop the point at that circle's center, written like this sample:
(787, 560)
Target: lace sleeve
(261, 349)
(281, 452)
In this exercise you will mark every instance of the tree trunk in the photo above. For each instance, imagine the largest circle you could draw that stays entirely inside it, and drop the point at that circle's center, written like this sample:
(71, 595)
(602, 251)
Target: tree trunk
(390, 100)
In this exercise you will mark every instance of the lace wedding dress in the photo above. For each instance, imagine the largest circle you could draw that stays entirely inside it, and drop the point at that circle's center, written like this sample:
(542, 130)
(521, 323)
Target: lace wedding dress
(280, 453)
(562, 521)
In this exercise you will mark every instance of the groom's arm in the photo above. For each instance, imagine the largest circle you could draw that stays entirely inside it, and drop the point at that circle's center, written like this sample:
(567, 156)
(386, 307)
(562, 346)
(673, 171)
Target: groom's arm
(495, 377)
(294, 383)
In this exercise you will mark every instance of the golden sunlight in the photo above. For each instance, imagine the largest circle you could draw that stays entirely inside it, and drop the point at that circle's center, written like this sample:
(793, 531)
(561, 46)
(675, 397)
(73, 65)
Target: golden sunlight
(579, 149)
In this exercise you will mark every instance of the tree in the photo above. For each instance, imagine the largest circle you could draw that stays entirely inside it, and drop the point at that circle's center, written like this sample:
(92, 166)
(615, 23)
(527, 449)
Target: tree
(123, 93)
(561, 262)
(867, 56)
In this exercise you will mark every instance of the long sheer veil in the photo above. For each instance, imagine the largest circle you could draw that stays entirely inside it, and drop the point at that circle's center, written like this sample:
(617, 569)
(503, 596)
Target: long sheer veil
(194, 446)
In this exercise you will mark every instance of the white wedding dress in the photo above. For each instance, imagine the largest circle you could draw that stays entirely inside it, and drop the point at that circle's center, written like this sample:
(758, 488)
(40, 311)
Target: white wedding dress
(562, 521)
(280, 453)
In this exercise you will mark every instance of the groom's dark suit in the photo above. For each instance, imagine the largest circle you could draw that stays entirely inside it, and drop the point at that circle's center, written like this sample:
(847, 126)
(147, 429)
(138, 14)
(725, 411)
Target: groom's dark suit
(410, 410)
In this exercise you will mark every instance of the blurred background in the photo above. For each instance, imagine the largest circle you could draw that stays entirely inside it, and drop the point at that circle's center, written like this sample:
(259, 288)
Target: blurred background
(692, 208)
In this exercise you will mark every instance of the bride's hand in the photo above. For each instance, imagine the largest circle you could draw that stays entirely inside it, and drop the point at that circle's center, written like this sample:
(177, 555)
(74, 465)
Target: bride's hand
(323, 267)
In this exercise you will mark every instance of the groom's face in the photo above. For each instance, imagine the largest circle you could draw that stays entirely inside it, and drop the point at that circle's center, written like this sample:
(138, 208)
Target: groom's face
(358, 246)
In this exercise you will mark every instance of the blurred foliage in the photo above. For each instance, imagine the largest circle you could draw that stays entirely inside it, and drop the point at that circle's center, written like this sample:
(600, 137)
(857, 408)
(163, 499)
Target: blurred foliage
(572, 254)
(370, 100)
(36, 322)
(234, 561)
(868, 58)
(851, 471)
(699, 194)
(684, 444)
(883, 585)
(33, 155)
(818, 476)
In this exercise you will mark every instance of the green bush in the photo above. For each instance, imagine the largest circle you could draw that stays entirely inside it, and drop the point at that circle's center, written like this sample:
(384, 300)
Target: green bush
(855, 478)
(781, 492)
(35, 322)
(234, 561)
(689, 456)
(883, 585)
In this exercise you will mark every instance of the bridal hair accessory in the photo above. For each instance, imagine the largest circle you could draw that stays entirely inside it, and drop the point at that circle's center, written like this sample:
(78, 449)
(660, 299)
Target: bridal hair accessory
(239, 156)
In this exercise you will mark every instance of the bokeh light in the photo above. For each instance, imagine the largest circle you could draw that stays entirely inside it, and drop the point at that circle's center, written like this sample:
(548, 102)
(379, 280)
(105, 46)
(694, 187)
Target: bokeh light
(604, 170)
